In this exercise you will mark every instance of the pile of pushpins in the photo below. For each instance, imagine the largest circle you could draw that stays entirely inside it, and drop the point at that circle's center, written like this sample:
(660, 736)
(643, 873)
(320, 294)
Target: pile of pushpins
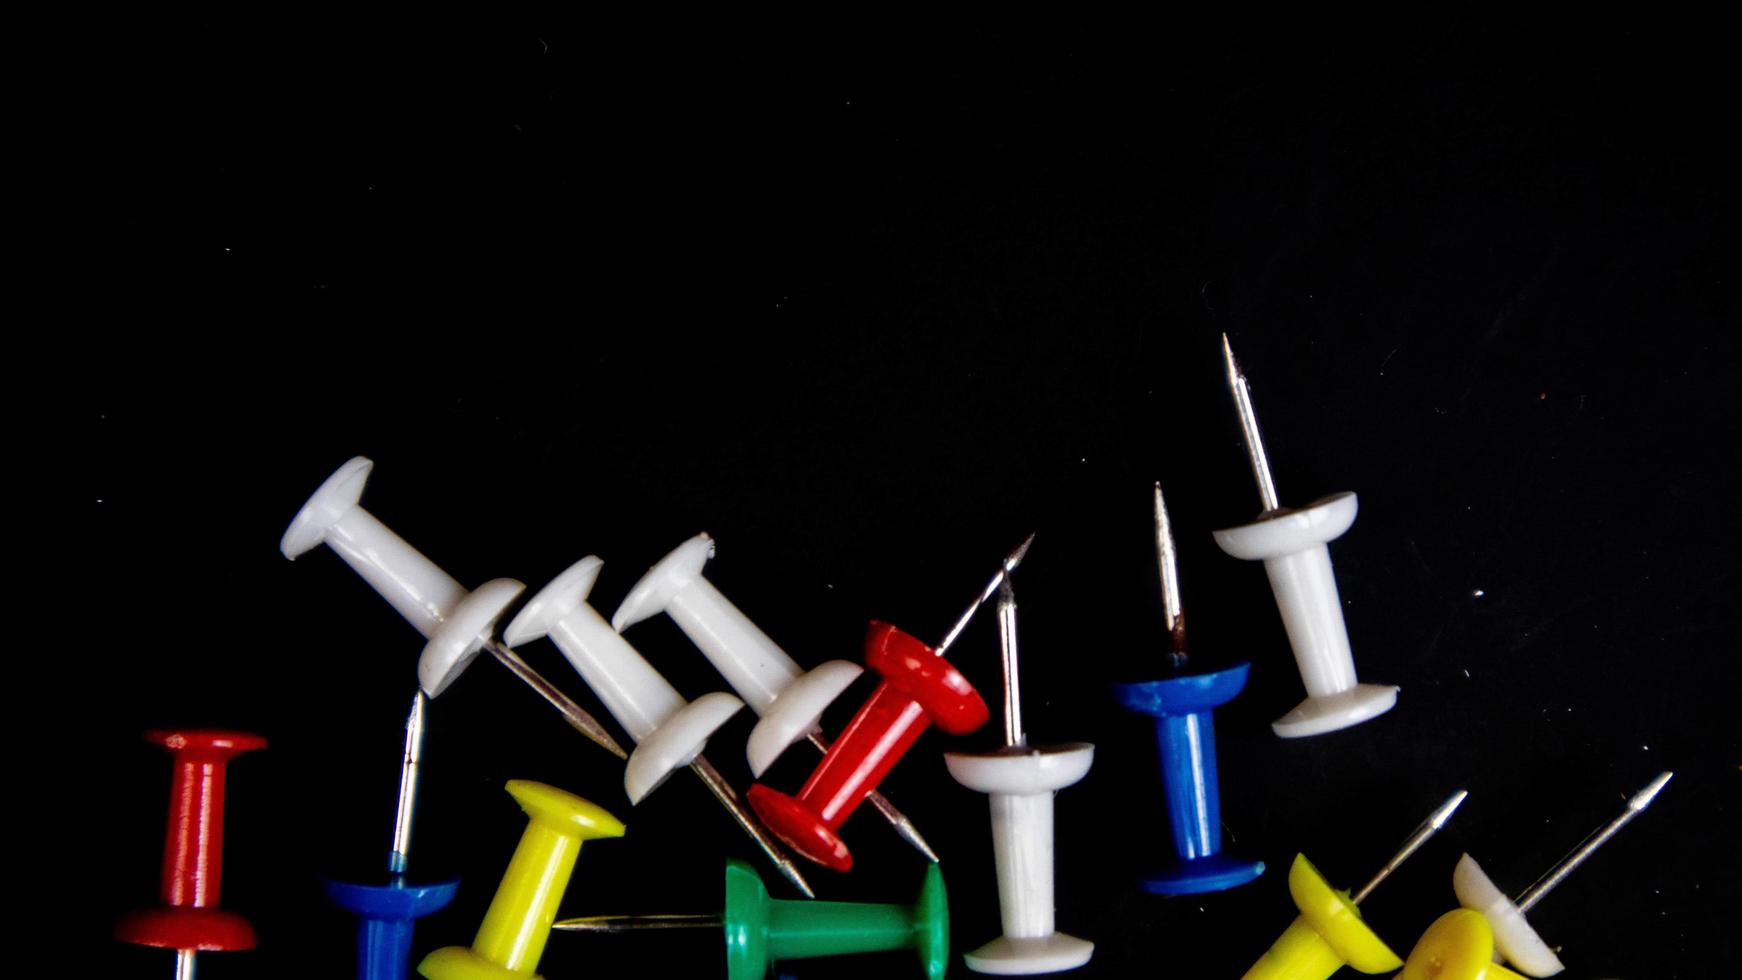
(1487, 936)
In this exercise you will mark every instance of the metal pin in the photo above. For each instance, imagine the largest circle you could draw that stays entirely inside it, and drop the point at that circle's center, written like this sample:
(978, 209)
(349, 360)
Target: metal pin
(1010, 562)
(1014, 737)
(636, 923)
(574, 714)
(1167, 557)
(904, 826)
(729, 798)
(1428, 828)
(400, 857)
(1249, 426)
(1642, 799)
(184, 964)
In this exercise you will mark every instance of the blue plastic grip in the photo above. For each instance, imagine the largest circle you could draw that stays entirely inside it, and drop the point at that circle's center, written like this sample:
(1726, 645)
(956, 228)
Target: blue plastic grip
(388, 914)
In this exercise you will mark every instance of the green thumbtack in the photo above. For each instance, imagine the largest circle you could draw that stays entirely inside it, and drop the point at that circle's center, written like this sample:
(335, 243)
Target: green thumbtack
(761, 931)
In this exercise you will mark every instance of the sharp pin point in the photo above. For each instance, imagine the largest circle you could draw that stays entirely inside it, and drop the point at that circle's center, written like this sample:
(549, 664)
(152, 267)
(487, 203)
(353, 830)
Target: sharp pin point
(1597, 838)
(1416, 839)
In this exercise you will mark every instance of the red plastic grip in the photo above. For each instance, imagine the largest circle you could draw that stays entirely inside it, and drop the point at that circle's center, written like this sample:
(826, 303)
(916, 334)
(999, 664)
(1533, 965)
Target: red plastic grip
(193, 848)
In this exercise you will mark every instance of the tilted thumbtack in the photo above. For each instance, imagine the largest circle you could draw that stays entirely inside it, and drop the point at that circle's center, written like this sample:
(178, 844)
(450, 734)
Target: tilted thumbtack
(789, 701)
(1292, 545)
(1020, 781)
(1458, 946)
(919, 689)
(1329, 933)
(189, 920)
(1513, 935)
(387, 913)
(761, 931)
(669, 733)
(517, 925)
(457, 624)
(1185, 735)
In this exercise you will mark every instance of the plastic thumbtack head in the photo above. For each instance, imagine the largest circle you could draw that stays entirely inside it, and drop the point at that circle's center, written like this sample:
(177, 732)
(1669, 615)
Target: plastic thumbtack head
(193, 849)
(788, 701)
(668, 731)
(1458, 946)
(1326, 936)
(918, 689)
(517, 925)
(387, 915)
(761, 931)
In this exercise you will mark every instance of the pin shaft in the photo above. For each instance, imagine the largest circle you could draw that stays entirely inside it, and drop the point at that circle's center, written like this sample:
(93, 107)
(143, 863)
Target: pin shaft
(577, 717)
(1010, 562)
(184, 964)
(1249, 428)
(729, 798)
(1167, 558)
(1014, 737)
(637, 923)
(903, 824)
(400, 857)
(1416, 839)
(1635, 806)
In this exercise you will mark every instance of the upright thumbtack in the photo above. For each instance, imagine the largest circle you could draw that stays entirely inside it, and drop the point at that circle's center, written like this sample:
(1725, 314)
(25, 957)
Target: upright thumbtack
(189, 920)
(761, 931)
(388, 913)
(789, 701)
(919, 688)
(1458, 946)
(1513, 935)
(1020, 782)
(1292, 544)
(458, 624)
(1329, 934)
(1185, 733)
(669, 732)
(517, 925)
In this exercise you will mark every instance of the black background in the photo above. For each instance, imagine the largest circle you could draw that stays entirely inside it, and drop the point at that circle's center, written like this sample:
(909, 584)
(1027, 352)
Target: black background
(869, 302)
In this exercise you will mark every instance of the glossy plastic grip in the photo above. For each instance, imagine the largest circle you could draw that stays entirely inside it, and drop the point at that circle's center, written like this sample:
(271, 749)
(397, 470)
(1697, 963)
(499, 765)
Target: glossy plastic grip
(918, 688)
(193, 849)
(761, 931)
(387, 916)
(1327, 934)
(1458, 946)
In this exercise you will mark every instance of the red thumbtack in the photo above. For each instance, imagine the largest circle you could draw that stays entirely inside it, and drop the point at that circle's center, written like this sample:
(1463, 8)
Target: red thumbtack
(193, 848)
(919, 689)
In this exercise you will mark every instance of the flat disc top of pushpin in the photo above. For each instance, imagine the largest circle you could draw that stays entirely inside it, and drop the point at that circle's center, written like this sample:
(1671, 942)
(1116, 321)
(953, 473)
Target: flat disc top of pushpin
(177, 740)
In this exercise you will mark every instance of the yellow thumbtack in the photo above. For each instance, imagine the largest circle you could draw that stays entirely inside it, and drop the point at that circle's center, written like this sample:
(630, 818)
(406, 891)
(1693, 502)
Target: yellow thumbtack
(517, 925)
(1458, 946)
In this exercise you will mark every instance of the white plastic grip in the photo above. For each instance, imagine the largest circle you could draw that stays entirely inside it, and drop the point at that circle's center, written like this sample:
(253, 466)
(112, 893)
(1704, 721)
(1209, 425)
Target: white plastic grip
(788, 701)
(456, 623)
(1514, 938)
(669, 733)
(1020, 785)
(1292, 546)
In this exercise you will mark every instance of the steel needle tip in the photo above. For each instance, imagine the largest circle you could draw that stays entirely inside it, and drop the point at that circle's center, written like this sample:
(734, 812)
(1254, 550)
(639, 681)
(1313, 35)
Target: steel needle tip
(1009, 565)
(1167, 558)
(1439, 817)
(1416, 839)
(1015, 557)
(1643, 798)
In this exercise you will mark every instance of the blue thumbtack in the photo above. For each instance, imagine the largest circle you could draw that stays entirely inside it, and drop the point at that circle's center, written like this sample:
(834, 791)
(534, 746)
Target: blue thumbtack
(388, 912)
(1185, 733)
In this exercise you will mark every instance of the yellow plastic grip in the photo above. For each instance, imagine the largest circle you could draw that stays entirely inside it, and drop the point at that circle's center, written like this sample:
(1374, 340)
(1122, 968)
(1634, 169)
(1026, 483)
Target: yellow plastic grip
(511, 939)
(1458, 946)
(1326, 935)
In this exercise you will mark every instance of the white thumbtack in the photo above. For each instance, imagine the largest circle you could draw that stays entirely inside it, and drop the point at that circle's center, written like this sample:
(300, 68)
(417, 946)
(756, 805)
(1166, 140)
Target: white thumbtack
(1292, 544)
(1514, 938)
(1020, 781)
(667, 731)
(789, 701)
(458, 624)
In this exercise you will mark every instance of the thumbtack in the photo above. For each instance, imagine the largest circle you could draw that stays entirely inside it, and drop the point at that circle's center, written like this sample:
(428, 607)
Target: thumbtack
(761, 931)
(387, 913)
(458, 624)
(1185, 733)
(1458, 946)
(919, 688)
(1516, 941)
(1292, 544)
(789, 702)
(1020, 781)
(517, 925)
(189, 920)
(1329, 934)
(669, 732)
